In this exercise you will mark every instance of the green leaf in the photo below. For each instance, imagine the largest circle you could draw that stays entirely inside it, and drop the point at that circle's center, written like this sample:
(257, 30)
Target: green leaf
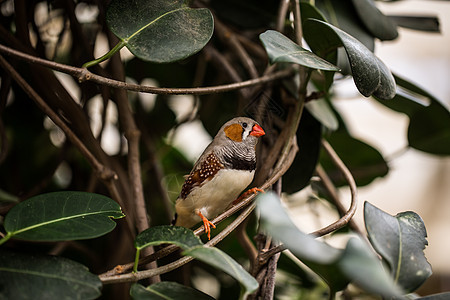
(282, 49)
(323, 113)
(422, 109)
(429, 129)
(323, 79)
(187, 240)
(160, 31)
(343, 14)
(358, 260)
(166, 290)
(222, 261)
(364, 161)
(24, 276)
(310, 11)
(276, 221)
(422, 23)
(309, 136)
(370, 74)
(400, 240)
(337, 267)
(375, 21)
(167, 234)
(62, 216)
(409, 98)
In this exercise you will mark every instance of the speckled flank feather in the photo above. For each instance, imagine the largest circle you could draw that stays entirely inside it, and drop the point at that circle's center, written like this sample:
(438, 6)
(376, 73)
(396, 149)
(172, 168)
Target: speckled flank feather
(207, 170)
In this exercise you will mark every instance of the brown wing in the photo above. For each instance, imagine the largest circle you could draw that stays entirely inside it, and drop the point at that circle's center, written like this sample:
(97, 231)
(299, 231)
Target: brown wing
(203, 173)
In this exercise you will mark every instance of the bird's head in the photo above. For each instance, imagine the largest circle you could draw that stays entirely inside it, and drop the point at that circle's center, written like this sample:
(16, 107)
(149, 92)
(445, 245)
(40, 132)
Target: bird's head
(242, 130)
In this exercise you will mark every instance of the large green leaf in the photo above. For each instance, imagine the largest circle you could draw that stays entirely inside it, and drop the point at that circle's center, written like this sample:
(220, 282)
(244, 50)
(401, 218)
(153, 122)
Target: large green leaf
(24, 276)
(166, 290)
(400, 240)
(281, 49)
(192, 246)
(357, 263)
(343, 14)
(375, 21)
(167, 234)
(160, 31)
(370, 74)
(62, 216)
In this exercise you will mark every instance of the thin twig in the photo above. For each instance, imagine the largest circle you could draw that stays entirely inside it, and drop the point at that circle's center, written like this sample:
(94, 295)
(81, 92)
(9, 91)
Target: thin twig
(333, 193)
(353, 191)
(245, 242)
(281, 18)
(229, 38)
(83, 74)
(297, 21)
(4, 92)
(222, 63)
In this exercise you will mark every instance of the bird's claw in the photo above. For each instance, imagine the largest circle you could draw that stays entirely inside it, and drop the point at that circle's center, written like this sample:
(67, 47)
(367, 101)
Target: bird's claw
(207, 224)
(247, 193)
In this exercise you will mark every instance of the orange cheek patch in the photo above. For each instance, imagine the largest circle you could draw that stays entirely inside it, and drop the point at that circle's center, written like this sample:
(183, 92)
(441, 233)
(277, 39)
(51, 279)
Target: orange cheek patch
(234, 132)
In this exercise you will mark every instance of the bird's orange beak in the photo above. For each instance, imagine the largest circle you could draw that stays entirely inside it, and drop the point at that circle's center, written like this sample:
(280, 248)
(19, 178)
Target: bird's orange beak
(257, 131)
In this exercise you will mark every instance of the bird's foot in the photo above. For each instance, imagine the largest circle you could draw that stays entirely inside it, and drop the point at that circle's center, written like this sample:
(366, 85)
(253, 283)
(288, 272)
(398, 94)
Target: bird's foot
(247, 193)
(207, 224)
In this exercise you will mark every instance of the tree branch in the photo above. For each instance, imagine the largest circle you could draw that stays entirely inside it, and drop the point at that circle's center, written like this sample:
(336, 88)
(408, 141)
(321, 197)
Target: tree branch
(132, 135)
(282, 11)
(83, 74)
(333, 193)
(227, 36)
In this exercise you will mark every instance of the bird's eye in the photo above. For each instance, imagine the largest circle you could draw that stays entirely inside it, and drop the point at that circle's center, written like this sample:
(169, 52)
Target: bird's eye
(244, 125)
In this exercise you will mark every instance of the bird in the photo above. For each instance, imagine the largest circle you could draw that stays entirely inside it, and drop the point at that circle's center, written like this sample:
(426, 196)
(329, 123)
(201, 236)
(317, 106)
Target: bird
(224, 169)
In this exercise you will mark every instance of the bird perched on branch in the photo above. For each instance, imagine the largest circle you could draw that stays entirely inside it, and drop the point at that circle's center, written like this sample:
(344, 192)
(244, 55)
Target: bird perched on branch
(222, 172)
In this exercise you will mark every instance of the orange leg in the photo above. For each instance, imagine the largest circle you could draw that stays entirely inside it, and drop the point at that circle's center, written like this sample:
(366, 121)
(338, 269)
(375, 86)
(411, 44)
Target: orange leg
(206, 223)
(247, 193)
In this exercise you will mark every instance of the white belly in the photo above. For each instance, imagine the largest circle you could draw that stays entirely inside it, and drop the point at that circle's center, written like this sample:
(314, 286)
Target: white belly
(213, 197)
